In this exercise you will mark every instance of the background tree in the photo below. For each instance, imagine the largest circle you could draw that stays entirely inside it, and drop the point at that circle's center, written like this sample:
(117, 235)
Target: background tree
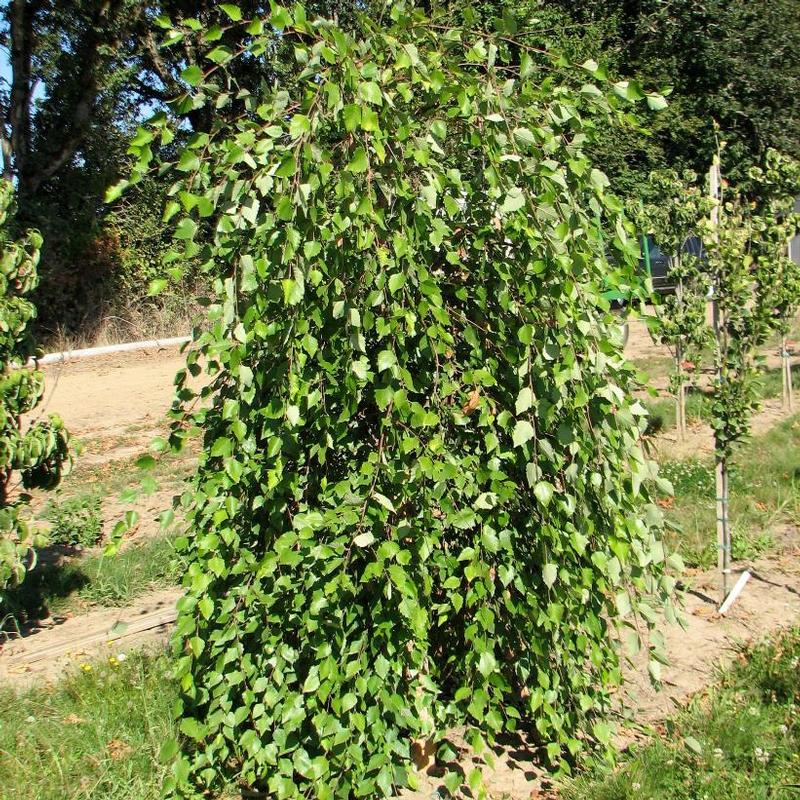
(675, 211)
(775, 223)
(733, 62)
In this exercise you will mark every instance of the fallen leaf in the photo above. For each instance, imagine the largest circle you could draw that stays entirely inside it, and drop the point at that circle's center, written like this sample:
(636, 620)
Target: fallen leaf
(473, 401)
(73, 719)
(118, 749)
(423, 753)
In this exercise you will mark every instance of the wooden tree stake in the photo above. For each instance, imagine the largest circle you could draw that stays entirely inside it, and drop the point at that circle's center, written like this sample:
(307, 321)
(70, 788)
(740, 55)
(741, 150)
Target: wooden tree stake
(721, 471)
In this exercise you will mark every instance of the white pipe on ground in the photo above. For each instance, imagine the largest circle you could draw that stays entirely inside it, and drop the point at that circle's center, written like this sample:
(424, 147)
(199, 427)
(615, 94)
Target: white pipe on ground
(109, 349)
(735, 592)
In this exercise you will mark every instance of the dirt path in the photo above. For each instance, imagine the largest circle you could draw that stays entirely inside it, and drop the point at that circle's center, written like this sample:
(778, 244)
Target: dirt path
(114, 404)
(61, 643)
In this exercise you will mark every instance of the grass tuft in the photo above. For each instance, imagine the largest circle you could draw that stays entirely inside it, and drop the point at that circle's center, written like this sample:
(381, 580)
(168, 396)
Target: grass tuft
(96, 734)
(94, 580)
(739, 741)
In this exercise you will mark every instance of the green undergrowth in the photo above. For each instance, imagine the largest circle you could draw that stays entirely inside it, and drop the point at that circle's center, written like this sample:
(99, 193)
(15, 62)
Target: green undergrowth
(95, 734)
(764, 494)
(112, 478)
(738, 741)
(94, 580)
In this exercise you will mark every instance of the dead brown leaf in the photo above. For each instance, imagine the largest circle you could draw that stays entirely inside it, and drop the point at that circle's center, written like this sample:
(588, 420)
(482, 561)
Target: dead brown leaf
(472, 402)
(118, 749)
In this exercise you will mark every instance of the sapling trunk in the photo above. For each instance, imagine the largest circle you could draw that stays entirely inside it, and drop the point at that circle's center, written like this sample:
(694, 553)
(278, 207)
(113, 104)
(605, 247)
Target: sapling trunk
(680, 396)
(786, 377)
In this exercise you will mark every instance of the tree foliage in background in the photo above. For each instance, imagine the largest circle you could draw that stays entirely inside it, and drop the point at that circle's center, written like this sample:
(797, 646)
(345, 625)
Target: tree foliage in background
(754, 284)
(83, 73)
(31, 454)
(422, 498)
(733, 62)
(775, 223)
(675, 212)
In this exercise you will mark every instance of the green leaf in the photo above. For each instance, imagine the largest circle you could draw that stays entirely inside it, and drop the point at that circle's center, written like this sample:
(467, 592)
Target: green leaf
(543, 492)
(206, 606)
(299, 125)
(599, 180)
(186, 229)
(487, 664)
(524, 400)
(192, 728)
(352, 117)
(358, 163)
(115, 192)
(145, 462)
(656, 102)
(549, 575)
(370, 92)
(189, 161)
(168, 751)
(386, 359)
(514, 201)
(157, 286)
(193, 75)
(233, 11)
(524, 137)
(384, 501)
(602, 732)
(523, 432)
(364, 539)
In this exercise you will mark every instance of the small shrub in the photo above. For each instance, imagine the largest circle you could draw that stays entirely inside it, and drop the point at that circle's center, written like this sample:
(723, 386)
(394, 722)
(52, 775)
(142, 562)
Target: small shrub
(32, 455)
(76, 521)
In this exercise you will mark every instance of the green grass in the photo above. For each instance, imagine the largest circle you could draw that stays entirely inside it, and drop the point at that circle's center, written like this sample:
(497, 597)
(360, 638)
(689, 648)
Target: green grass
(95, 734)
(738, 741)
(764, 492)
(95, 580)
(169, 472)
(663, 411)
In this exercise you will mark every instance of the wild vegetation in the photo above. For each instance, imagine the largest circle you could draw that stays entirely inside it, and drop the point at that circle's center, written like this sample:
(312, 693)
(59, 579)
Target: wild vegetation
(83, 73)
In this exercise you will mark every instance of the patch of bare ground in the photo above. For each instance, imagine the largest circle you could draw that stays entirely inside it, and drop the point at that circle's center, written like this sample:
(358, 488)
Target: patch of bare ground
(44, 652)
(699, 440)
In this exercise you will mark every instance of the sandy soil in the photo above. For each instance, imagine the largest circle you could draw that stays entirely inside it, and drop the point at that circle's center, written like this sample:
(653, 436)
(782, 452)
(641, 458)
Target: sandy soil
(114, 404)
(61, 643)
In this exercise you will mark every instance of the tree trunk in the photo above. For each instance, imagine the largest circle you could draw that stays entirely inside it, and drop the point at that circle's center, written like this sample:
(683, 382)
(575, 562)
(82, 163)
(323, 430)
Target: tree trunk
(20, 18)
